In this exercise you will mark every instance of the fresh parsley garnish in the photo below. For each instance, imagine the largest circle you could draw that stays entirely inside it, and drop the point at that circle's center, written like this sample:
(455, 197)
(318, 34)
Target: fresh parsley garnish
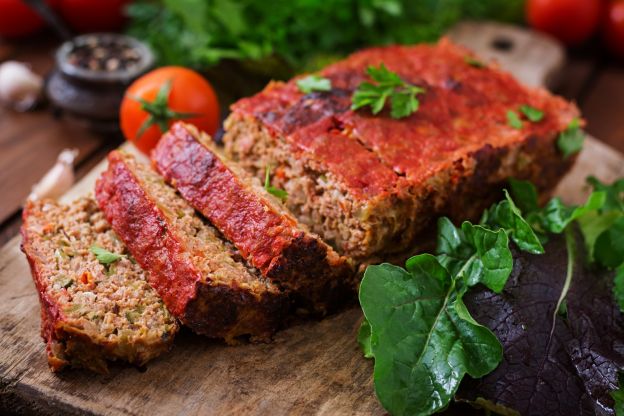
(533, 114)
(104, 256)
(313, 83)
(571, 140)
(474, 62)
(279, 193)
(514, 120)
(388, 85)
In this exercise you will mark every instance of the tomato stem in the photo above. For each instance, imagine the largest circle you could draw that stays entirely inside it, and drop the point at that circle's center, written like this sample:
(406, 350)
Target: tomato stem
(159, 112)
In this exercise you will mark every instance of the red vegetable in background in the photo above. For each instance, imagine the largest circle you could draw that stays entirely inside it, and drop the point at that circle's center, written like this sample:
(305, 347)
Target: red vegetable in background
(570, 21)
(613, 28)
(19, 20)
(93, 15)
(157, 99)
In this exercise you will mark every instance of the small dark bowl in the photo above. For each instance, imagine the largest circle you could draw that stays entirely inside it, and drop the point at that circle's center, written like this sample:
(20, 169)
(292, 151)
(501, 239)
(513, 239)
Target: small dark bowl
(94, 95)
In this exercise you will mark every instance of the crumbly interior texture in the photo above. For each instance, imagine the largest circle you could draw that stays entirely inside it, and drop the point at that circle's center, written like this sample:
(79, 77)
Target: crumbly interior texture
(217, 259)
(377, 228)
(111, 304)
(355, 227)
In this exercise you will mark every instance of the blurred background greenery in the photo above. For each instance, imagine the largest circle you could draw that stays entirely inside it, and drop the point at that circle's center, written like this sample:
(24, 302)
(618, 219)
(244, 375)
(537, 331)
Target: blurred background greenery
(281, 37)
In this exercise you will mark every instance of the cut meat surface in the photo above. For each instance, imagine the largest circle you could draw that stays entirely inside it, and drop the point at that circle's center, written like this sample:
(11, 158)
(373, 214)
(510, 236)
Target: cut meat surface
(202, 278)
(268, 237)
(369, 184)
(92, 310)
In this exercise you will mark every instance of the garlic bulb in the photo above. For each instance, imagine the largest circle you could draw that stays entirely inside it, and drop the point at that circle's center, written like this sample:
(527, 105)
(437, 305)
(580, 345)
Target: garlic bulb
(58, 180)
(20, 88)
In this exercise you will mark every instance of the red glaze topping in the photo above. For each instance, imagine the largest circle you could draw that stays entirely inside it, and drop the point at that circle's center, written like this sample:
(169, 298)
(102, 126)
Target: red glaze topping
(463, 109)
(260, 233)
(147, 235)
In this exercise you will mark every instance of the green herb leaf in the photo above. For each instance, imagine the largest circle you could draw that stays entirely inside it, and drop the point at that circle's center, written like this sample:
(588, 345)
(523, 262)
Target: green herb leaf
(364, 339)
(474, 62)
(506, 215)
(425, 339)
(609, 246)
(615, 193)
(525, 195)
(514, 120)
(571, 140)
(556, 216)
(618, 395)
(313, 83)
(533, 114)
(104, 256)
(279, 193)
(402, 95)
(593, 224)
(618, 286)
(474, 253)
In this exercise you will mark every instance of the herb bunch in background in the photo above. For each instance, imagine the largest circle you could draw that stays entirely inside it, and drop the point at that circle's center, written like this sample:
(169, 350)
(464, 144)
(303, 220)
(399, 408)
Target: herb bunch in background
(303, 34)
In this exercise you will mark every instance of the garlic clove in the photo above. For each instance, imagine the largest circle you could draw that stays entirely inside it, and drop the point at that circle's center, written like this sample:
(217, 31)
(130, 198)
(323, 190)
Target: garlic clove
(58, 180)
(20, 88)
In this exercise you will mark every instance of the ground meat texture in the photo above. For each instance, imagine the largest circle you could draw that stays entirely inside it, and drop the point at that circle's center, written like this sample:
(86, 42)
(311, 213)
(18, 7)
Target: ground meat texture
(266, 234)
(201, 278)
(91, 312)
(369, 185)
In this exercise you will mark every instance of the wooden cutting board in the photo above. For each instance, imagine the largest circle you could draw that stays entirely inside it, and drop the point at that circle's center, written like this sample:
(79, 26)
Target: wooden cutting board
(313, 368)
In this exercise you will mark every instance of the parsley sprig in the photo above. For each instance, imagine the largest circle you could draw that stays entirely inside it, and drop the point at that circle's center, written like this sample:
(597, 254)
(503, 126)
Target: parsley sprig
(279, 193)
(313, 83)
(388, 85)
(571, 140)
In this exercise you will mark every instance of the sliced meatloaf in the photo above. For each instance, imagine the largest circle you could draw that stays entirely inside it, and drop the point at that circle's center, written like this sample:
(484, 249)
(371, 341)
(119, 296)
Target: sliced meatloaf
(202, 279)
(369, 183)
(268, 237)
(93, 308)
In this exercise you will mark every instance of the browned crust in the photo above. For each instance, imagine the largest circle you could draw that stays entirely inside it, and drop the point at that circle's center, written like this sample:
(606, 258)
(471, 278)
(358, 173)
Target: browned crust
(462, 190)
(269, 238)
(206, 306)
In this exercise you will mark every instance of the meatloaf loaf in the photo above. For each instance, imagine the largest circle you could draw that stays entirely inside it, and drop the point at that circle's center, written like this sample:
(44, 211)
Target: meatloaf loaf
(96, 304)
(202, 279)
(268, 237)
(368, 183)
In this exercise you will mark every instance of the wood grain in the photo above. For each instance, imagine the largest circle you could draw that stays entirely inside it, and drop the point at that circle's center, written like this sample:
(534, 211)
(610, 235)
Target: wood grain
(30, 142)
(604, 106)
(314, 368)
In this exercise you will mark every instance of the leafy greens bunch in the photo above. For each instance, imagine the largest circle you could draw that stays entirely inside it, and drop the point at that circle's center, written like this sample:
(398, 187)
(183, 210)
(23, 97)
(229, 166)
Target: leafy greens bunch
(301, 33)
(417, 327)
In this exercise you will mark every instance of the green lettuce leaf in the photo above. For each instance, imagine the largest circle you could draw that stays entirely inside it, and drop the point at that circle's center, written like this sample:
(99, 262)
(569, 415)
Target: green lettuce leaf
(425, 339)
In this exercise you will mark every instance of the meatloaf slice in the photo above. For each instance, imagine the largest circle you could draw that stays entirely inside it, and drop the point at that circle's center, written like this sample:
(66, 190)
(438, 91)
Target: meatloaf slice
(268, 237)
(202, 279)
(368, 183)
(93, 308)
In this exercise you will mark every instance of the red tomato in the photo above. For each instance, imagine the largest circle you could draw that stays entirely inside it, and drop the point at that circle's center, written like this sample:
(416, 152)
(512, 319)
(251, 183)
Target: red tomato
(184, 95)
(614, 27)
(18, 20)
(570, 21)
(93, 15)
